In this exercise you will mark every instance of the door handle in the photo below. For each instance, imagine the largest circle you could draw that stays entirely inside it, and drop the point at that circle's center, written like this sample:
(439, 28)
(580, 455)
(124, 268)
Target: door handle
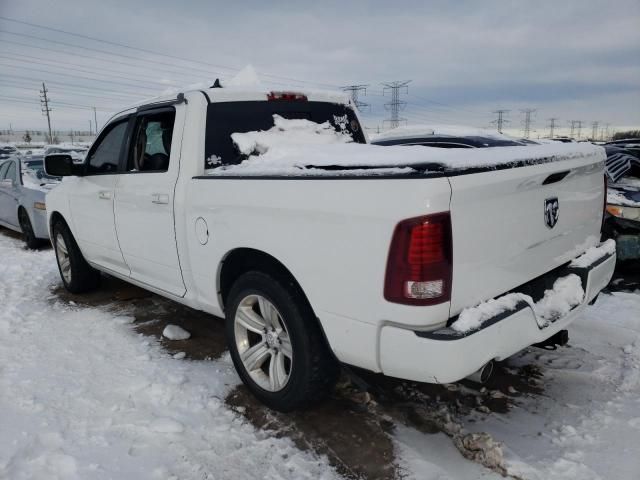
(160, 198)
(104, 195)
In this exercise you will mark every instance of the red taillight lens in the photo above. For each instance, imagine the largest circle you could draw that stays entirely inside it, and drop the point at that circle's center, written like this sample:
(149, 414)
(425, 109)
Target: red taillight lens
(287, 96)
(420, 261)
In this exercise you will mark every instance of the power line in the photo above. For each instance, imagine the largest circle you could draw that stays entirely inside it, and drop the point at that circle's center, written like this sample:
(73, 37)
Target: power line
(501, 120)
(41, 71)
(527, 121)
(93, 70)
(354, 90)
(45, 108)
(594, 130)
(161, 54)
(395, 105)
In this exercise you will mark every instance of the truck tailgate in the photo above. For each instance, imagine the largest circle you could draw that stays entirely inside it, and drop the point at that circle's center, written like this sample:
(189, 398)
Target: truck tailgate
(505, 231)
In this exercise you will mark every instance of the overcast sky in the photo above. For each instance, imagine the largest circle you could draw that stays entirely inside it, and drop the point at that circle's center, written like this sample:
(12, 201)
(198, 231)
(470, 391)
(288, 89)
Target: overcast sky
(575, 60)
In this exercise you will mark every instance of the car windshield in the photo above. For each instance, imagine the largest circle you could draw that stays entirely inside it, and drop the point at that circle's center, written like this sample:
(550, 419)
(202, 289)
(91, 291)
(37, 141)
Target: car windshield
(35, 170)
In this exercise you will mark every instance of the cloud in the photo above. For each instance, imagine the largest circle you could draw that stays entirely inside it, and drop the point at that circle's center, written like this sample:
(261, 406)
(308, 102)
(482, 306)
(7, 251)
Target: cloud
(564, 58)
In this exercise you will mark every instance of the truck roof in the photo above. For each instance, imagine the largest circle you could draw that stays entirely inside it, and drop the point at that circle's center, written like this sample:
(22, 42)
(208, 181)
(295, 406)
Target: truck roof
(240, 94)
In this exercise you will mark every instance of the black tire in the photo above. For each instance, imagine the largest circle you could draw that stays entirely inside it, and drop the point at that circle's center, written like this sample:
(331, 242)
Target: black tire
(27, 230)
(313, 369)
(82, 277)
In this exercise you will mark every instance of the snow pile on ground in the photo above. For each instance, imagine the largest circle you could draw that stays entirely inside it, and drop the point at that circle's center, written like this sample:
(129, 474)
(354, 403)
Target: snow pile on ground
(175, 332)
(594, 254)
(82, 396)
(585, 423)
(307, 148)
(287, 133)
(567, 292)
(473, 318)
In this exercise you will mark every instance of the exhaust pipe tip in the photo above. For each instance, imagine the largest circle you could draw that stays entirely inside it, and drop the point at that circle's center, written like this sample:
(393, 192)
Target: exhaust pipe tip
(483, 374)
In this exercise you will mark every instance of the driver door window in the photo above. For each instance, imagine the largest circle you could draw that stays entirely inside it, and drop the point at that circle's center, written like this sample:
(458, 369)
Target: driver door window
(105, 157)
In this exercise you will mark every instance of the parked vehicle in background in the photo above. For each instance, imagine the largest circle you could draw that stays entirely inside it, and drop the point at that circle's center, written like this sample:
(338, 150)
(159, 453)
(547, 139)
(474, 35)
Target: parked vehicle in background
(622, 221)
(77, 152)
(23, 186)
(269, 209)
(8, 151)
(446, 136)
(631, 145)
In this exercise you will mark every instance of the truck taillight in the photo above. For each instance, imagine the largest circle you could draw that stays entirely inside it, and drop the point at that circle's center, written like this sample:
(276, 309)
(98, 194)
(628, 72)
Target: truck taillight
(420, 261)
(286, 96)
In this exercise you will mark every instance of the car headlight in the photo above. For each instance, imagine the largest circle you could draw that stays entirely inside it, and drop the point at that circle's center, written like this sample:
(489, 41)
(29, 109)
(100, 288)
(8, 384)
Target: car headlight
(628, 213)
(39, 206)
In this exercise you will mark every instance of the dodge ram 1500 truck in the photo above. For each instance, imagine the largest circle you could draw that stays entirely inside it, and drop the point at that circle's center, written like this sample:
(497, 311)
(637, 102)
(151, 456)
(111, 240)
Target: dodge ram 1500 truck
(418, 263)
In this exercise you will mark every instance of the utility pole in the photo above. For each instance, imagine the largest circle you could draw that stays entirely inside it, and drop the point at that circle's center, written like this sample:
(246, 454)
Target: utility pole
(354, 90)
(95, 119)
(395, 105)
(44, 102)
(594, 130)
(90, 132)
(501, 120)
(606, 134)
(527, 121)
(552, 126)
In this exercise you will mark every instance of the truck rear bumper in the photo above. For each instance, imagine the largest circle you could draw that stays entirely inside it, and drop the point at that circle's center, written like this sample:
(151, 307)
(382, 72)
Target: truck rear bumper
(446, 356)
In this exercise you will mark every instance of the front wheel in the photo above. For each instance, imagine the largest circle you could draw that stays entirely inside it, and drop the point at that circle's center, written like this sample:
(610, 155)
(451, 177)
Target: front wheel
(77, 275)
(276, 343)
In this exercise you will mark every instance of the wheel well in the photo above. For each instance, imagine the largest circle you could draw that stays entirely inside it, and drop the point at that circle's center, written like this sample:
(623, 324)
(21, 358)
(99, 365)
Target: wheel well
(55, 216)
(243, 260)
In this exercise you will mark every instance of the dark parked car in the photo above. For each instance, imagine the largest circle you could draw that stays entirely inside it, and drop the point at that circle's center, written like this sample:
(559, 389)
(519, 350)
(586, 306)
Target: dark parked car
(447, 137)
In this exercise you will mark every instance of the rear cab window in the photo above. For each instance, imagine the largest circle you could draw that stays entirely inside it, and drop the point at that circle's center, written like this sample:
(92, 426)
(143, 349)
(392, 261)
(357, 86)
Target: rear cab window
(225, 118)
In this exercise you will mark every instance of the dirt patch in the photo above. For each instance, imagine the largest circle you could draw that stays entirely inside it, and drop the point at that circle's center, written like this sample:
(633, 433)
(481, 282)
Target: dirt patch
(355, 439)
(153, 313)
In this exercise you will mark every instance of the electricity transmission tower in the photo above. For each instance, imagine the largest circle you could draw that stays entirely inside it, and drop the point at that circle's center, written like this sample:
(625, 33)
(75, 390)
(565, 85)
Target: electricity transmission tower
(501, 120)
(395, 105)
(552, 126)
(354, 90)
(44, 103)
(527, 121)
(594, 130)
(576, 126)
(95, 120)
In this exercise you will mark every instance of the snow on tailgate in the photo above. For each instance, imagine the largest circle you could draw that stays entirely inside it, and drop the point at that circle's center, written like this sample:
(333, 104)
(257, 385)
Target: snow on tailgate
(302, 147)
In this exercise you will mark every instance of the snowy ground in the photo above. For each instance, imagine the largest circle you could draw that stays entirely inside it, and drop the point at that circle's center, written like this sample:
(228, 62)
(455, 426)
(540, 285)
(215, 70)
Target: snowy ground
(84, 395)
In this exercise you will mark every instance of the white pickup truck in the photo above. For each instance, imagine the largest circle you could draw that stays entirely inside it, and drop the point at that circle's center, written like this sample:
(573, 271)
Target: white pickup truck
(419, 263)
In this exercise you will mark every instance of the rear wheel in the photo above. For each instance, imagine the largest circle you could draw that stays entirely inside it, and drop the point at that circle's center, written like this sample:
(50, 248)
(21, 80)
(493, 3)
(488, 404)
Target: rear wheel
(27, 229)
(276, 343)
(77, 275)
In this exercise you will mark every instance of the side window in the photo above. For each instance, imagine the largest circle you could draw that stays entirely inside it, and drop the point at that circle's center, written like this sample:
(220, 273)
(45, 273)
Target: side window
(105, 157)
(3, 170)
(151, 143)
(11, 172)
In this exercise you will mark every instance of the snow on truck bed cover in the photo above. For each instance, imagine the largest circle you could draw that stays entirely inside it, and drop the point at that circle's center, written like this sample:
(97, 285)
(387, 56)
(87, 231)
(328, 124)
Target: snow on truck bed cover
(305, 148)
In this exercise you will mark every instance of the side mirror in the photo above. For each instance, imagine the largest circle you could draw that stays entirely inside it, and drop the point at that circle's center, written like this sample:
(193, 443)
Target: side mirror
(61, 165)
